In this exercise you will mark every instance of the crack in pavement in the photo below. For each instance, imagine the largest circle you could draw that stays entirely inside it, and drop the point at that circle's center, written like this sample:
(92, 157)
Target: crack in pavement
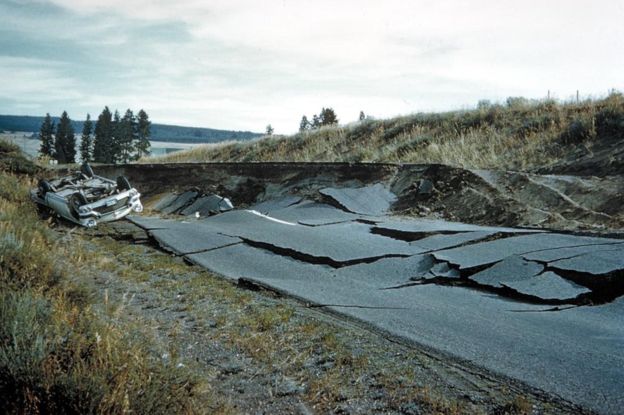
(316, 260)
(209, 249)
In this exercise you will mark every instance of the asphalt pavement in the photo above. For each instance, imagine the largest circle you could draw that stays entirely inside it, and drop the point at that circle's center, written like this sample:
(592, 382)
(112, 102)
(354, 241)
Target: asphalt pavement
(541, 307)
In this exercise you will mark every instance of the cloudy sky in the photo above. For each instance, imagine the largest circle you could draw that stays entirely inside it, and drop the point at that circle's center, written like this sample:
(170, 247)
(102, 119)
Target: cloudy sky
(242, 64)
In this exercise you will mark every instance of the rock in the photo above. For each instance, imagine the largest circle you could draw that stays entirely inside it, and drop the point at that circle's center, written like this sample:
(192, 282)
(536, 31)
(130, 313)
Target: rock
(425, 187)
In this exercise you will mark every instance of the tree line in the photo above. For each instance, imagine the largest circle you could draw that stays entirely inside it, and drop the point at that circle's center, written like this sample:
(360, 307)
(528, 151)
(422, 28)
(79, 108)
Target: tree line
(113, 139)
(327, 116)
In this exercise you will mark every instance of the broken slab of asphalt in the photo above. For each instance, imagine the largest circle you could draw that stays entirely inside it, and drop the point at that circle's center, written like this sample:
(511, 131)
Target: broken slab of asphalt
(478, 293)
(373, 200)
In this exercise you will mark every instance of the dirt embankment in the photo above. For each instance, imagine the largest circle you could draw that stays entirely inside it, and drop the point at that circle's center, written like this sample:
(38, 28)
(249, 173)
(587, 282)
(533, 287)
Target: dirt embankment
(562, 202)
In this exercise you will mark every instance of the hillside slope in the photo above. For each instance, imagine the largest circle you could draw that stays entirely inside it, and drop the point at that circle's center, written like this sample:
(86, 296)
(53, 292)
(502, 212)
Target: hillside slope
(160, 132)
(522, 135)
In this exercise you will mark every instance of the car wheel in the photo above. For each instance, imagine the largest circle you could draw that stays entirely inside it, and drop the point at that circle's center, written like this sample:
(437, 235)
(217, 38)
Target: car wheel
(123, 183)
(87, 170)
(44, 187)
(75, 201)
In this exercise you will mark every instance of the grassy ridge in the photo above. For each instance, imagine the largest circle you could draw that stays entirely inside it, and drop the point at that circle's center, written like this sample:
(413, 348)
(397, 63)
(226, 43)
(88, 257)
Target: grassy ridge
(58, 352)
(519, 135)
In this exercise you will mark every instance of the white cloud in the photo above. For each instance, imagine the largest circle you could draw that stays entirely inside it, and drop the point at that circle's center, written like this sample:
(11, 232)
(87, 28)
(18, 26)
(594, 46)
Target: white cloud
(243, 64)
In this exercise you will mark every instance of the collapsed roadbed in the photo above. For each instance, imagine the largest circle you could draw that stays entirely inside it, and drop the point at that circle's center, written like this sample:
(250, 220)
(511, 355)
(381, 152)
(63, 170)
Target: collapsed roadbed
(542, 307)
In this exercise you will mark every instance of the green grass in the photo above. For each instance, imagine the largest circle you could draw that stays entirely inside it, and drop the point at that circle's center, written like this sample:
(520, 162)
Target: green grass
(519, 135)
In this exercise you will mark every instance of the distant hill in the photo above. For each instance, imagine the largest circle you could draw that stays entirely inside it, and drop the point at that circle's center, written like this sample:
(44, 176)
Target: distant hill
(160, 132)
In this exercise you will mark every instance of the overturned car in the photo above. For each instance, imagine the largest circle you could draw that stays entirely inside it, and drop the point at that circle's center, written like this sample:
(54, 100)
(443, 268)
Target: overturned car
(87, 199)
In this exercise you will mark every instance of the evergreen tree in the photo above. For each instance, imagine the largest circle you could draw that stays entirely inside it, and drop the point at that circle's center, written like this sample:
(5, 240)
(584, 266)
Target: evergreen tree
(127, 137)
(269, 130)
(362, 116)
(102, 148)
(328, 117)
(65, 142)
(116, 138)
(46, 135)
(304, 125)
(316, 121)
(86, 142)
(143, 132)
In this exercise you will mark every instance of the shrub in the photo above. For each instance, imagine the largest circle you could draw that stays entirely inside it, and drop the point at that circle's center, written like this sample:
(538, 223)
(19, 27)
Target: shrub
(610, 121)
(578, 131)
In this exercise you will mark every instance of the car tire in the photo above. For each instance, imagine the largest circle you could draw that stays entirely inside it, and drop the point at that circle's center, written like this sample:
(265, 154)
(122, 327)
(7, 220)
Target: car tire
(123, 183)
(87, 170)
(44, 187)
(75, 201)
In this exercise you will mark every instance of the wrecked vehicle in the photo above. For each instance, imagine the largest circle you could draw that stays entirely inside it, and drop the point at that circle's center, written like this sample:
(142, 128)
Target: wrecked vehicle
(87, 199)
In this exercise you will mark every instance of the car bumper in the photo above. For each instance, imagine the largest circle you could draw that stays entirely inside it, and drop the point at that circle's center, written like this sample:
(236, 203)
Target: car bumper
(92, 218)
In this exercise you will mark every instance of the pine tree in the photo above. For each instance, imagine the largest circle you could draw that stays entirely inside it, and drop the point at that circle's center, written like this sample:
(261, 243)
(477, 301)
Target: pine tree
(143, 132)
(65, 142)
(46, 135)
(328, 117)
(362, 116)
(304, 125)
(269, 129)
(127, 137)
(116, 138)
(102, 148)
(316, 121)
(86, 142)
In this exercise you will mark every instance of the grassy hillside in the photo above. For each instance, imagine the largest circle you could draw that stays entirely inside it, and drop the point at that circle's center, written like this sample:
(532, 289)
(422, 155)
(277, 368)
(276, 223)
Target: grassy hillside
(160, 132)
(519, 135)
(59, 351)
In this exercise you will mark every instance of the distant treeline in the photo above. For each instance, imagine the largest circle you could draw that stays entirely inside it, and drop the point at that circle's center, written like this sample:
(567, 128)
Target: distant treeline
(160, 132)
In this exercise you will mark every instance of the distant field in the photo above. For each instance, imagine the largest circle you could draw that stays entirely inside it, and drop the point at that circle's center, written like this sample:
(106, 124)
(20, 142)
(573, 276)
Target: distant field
(30, 146)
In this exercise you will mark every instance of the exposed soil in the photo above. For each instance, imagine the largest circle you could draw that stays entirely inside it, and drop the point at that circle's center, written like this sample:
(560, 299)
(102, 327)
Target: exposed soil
(562, 202)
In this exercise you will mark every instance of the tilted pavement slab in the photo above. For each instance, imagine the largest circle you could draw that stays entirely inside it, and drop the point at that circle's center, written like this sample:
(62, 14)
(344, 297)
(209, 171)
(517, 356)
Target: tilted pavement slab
(372, 200)
(275, 204)
(180, 201)
(388, 272)
(480, 254)
(444, 241)
(548, 286)
(599, 262)
(206, 205)
(337, 244)
(421, 225)
(313, 214)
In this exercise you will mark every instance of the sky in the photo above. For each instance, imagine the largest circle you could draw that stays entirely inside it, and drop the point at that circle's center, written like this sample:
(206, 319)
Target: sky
(243, 64)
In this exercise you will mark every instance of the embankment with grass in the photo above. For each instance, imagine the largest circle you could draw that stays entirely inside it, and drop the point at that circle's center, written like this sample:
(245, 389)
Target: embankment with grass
(60, 352)
(519, 135)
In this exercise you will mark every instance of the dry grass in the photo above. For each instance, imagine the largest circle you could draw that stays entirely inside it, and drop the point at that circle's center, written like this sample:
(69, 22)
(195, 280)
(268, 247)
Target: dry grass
(59, 353)
(520, 135)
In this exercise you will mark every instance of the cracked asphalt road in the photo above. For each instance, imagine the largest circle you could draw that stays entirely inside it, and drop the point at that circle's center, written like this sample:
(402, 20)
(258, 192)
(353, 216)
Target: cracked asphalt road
(542, 307)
